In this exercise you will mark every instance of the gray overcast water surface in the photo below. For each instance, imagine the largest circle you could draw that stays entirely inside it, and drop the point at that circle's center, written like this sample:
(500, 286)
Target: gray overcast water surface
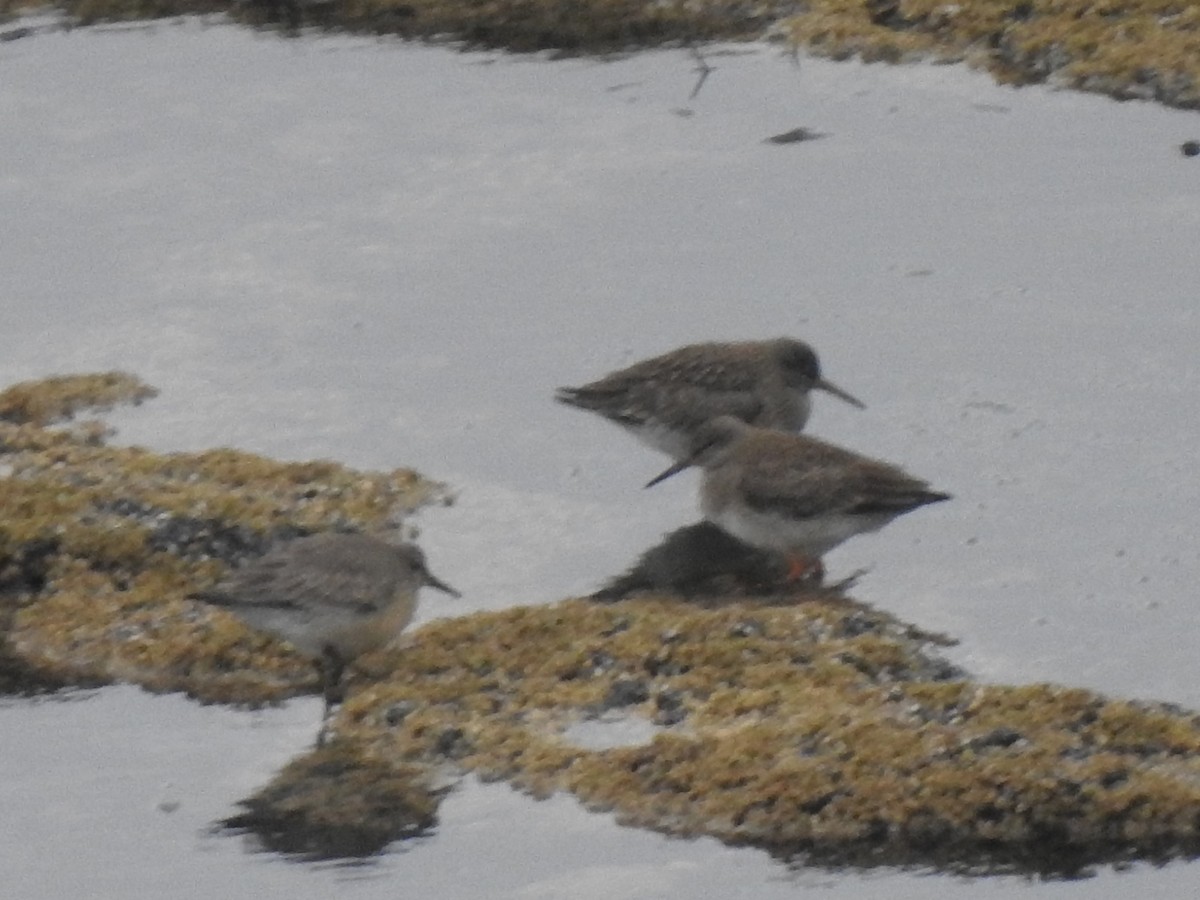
(391, 254)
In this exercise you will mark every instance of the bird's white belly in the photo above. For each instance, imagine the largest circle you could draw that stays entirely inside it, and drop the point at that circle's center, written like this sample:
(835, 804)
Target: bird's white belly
(789, 413)
(672, 441)
(812, 537)
(350, 633)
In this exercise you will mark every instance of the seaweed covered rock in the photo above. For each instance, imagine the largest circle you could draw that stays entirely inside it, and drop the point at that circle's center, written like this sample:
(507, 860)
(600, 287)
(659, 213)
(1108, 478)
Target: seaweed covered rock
(820, 729)
(793, 719)
(100, 546)
(1138, 49)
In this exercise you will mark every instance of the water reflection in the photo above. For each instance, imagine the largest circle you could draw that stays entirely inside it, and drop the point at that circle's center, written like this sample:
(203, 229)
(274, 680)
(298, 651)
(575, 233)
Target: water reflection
(339, 803)
(701, 562)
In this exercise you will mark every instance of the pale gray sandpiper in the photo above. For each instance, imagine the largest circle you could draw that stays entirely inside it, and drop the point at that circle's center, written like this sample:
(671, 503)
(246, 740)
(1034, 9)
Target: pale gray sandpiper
(333, 597)
(662, 401)
(794, 494)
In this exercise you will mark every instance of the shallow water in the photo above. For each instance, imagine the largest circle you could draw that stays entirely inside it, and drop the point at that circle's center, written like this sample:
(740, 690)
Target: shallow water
(391, 255)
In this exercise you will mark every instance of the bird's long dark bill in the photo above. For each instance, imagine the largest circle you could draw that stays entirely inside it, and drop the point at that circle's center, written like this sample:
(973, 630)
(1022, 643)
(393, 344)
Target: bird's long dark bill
(667, 473)
(830, 387)
(440, 585)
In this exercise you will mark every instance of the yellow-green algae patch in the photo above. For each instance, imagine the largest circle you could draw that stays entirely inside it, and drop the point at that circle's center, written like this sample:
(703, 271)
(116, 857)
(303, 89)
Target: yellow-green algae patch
(55, 399)
(816, 728)
(806, 723)
(1145, 49)
(1129, 49)
(100, 546)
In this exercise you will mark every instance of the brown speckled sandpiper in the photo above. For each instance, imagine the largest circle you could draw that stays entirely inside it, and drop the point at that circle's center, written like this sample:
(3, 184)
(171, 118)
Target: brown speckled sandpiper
(662, 401)
(794, 494)
(333, 597)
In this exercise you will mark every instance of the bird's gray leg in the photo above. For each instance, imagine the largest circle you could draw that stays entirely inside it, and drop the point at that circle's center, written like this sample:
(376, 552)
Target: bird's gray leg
(331, 666)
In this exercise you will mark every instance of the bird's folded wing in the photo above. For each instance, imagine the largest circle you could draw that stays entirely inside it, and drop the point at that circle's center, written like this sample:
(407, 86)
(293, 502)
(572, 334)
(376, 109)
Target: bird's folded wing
(299, 589)
(798, 493)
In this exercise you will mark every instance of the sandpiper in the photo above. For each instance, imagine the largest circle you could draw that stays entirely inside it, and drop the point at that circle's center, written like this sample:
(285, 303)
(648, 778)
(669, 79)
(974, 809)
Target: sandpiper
(332, 596)
(794, 494)
(662, 401)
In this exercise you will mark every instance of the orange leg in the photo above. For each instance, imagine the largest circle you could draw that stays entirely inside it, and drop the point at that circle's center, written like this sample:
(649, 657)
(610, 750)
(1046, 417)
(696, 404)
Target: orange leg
(802, 568)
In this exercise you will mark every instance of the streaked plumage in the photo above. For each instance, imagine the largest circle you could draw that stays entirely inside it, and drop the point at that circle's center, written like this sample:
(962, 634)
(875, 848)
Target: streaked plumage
(795, 494)
(664, 400)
